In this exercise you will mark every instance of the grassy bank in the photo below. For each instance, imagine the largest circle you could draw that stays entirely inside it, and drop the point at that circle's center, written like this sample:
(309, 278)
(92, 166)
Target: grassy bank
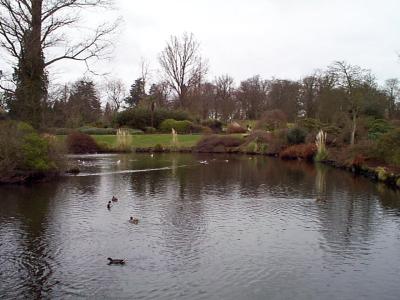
(147, 140)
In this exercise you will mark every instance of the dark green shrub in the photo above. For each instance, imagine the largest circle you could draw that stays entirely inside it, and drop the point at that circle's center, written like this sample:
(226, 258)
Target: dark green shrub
(377, 127)
(388, 147)
(97, 131)
(141, 118)
(310, 124)
(133, 131)
(81, 143)
(150, 130)
(331, 130)
(206, 130)
(180, 126)
(213, 124)
(23, 149)
(296, 135)
(195, 128)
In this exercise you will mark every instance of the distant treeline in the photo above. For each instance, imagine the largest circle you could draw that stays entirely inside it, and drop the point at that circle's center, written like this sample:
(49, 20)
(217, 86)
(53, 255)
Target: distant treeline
(341, 92)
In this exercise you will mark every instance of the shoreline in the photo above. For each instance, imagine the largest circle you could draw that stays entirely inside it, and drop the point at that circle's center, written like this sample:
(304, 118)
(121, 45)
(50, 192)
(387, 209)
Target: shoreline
(377, 174)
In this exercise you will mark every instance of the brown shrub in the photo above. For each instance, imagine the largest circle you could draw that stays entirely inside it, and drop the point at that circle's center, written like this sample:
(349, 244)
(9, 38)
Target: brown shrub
(355, 155)
(80, 143)
(272, 119)
(260, 136)
(235, 127)
(303, 151)
(206, 130)
(358, 160)
(277, 142)
(256, 142)
(215, 143)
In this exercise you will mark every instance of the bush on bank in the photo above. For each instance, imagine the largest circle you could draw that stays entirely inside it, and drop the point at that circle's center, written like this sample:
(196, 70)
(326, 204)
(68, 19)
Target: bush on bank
(296, 136)
(214, 125)
(22, 149)
(388, 147)
(181, 127)
(141, 118)
(218, 144)
(80, 143)
(303, 151)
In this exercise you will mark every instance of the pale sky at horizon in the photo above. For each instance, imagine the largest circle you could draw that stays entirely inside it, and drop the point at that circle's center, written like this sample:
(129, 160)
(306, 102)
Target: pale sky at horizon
(273, 38)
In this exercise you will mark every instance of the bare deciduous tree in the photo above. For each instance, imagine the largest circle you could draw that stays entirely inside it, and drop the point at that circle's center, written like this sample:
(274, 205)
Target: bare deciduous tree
(392, 90)
(351, 79)
(116, 92)
(35, 34)
(183, 66)
(225, 102)
(144, 71)
(46, 20)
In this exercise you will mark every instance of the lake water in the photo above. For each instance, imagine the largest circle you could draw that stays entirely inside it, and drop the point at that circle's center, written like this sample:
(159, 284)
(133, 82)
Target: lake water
(236, 227)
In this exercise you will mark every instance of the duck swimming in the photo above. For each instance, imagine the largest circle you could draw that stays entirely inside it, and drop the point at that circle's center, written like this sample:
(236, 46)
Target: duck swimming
(112, 261)
(134, 220)
(114, 199)
(109, 205)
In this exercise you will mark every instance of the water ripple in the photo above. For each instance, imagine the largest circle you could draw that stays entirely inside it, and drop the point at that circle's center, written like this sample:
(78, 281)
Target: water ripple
(242, 229)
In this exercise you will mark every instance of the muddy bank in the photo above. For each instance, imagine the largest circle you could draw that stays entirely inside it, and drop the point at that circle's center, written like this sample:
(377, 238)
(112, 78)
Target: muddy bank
(26, 177)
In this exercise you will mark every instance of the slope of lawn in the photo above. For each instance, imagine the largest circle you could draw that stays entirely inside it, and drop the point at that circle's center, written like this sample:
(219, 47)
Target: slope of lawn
(148, 140)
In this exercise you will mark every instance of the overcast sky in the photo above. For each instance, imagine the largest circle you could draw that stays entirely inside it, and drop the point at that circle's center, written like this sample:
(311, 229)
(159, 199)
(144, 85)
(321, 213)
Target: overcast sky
(272, 38)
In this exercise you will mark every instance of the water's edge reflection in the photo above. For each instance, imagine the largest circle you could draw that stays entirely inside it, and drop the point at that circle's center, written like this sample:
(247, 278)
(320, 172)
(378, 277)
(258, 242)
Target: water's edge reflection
(233, 228)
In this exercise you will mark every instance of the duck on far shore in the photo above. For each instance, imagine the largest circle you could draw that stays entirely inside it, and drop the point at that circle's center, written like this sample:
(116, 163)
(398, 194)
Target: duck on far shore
(320, 200)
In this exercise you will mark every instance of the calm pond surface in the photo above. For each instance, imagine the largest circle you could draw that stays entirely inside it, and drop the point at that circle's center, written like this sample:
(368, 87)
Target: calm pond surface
(246, 228)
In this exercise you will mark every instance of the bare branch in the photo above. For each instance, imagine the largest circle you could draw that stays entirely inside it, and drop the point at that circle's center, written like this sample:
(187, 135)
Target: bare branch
(94, 47)
(182, 65)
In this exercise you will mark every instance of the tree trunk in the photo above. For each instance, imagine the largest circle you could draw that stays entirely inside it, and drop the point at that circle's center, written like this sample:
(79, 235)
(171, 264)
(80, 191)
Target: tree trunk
(37, 63)
(353, 131)
(30, 75)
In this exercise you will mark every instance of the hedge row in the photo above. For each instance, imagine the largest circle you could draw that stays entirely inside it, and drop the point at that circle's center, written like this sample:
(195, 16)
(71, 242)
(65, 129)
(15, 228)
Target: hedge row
(142, 118)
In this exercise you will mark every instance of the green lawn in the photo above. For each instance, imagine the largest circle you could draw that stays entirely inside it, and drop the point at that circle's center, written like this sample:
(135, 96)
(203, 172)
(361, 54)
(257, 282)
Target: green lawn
(149, 140)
